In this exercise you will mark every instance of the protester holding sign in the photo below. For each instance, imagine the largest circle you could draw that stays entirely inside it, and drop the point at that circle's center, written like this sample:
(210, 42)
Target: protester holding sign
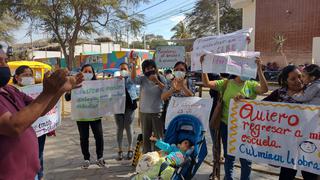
(230, 89)
(290, 80)
(151, 85)
(18, 142)
(24, 77)
(180, 86)
(124, 121)
(95, 124)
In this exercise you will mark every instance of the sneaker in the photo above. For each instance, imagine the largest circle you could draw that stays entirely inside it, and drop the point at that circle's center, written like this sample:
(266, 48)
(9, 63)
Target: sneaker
(130, 155)
(86, 164)
(101, 163)
(120, 156)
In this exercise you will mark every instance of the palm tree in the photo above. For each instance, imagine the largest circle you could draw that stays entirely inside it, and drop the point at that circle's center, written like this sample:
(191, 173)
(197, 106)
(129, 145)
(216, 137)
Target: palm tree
(181, 31)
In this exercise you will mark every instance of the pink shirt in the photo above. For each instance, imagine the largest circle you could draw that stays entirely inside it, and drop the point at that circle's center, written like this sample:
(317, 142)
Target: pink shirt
(19, 157)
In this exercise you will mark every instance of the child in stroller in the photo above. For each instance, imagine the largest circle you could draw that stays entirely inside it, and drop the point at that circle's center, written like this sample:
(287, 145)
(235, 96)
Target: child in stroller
(174, 156)
(187, 151)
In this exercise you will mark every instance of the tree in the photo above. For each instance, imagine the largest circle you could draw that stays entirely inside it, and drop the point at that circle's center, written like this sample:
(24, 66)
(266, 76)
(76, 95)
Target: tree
(203, 19)
(66, 20)
(180, 31)
(8, 20)
(8, 23)
(157, 42)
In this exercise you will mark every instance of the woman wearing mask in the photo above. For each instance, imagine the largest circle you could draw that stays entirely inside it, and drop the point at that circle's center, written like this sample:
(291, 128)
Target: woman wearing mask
(230, 89)
(151, 86)
(95, 124)
(290, 81)
(24, 77)
(124, 121)
(180, 85)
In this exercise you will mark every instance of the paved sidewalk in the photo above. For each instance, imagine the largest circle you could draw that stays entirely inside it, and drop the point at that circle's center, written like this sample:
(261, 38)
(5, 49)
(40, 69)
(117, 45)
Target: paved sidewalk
(63, 156)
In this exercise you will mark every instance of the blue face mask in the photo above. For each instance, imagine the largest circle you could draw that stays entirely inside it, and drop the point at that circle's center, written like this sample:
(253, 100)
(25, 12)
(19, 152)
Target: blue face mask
(243, 78)
(5, 76)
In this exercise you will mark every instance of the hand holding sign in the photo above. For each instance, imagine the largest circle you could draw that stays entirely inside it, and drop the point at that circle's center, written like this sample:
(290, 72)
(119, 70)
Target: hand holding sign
(259, 62)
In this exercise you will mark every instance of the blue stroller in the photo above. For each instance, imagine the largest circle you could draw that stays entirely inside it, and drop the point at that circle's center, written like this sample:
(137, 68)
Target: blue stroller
(190, 128)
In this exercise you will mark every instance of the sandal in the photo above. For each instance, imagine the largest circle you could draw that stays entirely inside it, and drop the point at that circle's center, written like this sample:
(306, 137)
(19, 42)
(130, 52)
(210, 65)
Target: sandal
(130, 155)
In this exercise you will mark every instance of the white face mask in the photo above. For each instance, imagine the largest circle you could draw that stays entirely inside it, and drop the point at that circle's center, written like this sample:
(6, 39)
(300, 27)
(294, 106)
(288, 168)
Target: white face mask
(179, 74)
(124, 73)
(87, 76)
(169, 76)
(26, 81)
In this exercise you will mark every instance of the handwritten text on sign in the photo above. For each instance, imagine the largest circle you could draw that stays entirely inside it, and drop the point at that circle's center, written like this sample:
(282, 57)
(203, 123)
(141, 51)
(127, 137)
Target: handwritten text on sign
(51, 120)
(167, 56)
(98, 98)
(286, 135)
(195, 106)
(236, 41)
(241, 63)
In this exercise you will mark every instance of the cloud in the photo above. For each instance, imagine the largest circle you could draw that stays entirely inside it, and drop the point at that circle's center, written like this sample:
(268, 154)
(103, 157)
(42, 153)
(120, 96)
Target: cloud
(177, 19)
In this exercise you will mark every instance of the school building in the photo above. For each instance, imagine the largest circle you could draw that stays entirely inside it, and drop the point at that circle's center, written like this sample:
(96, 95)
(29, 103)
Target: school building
(284, 30)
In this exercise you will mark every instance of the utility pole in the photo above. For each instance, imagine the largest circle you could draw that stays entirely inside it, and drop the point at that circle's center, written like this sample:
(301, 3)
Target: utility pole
(144, 40)
(218, 16)
(128, 24)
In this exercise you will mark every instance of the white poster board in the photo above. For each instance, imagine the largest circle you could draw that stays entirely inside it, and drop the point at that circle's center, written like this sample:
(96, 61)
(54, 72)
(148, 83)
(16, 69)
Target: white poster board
(286, 135)
(98, 98)
(241, 63)
(51, 120)
(195, 106)
(168, 56)
(236, 41)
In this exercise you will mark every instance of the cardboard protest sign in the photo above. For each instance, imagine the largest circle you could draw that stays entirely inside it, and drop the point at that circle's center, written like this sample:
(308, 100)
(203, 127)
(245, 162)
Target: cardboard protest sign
(51, 120)
(241, 63)
(286, 135)
(195, 106)
(236, 41)
(98, 98)
(167, 56)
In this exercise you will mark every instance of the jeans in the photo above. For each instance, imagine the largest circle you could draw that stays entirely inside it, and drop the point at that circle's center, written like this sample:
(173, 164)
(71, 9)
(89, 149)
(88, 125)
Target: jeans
(96, 127)
(41, 142)
(151, 122)
(229, 160)
(124, 121)
(289, 174)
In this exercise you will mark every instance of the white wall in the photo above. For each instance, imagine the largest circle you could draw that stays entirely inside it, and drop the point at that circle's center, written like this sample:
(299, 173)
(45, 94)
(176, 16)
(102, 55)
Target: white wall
(45, 54)
(248, 16)
(103, 48)
(249, 20)
(316, 50)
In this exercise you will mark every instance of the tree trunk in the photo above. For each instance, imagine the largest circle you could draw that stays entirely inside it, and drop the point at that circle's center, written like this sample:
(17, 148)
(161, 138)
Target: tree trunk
(71, 57)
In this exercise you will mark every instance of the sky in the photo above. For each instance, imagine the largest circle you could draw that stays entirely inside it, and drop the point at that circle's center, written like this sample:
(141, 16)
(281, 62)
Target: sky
(159, 19)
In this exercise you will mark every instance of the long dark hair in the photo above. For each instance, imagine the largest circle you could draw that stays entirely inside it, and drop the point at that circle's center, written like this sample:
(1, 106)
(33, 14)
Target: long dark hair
(19, 71)
(181, 63)
(312, 70)
(149, 63)
(284, 74)
(94, 77)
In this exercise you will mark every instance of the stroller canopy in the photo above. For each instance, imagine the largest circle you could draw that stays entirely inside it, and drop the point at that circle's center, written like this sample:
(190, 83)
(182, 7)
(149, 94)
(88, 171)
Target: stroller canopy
(184, 127)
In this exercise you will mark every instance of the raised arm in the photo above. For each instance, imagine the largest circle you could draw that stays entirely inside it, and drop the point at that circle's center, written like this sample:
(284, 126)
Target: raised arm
(13, 124)
(263, 87)
(205, 78)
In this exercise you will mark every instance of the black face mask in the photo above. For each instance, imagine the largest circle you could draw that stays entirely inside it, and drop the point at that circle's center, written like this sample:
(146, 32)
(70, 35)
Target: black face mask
(149, 73)
(5, 76)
